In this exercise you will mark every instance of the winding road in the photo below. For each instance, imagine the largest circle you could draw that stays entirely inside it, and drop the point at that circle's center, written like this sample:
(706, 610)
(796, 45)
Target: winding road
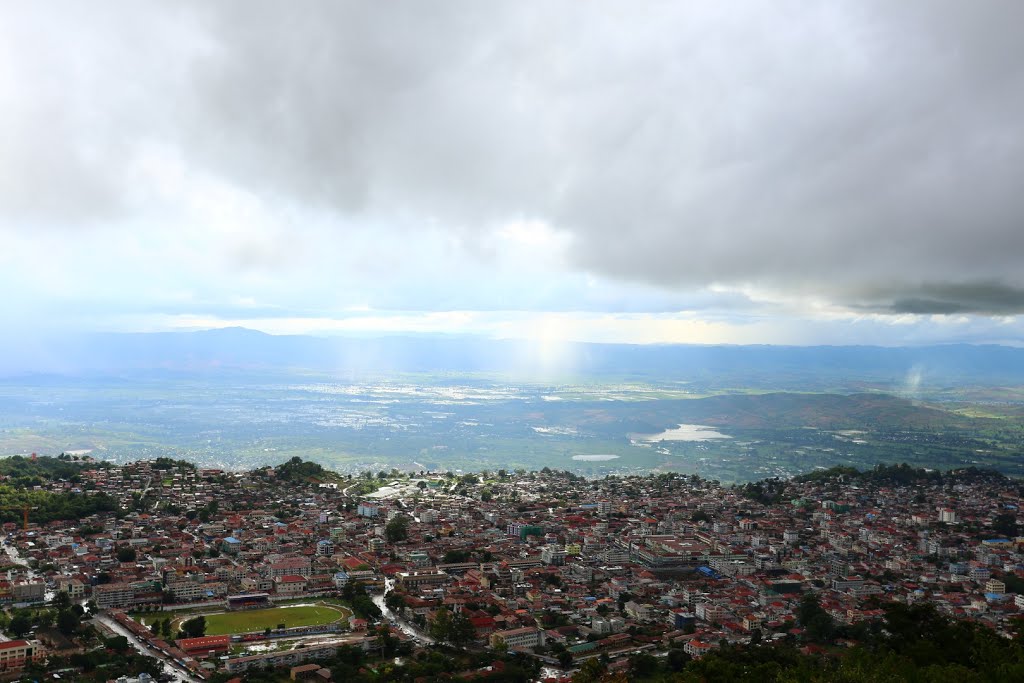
(401, 624)
(170, 668)
(176, 672)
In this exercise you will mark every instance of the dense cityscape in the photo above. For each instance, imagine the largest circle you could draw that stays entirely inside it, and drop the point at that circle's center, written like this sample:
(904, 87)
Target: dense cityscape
(511, 342)
(294, 572)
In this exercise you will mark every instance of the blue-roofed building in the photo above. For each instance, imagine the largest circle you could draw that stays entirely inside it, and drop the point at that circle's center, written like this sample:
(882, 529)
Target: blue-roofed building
(231, 545)
(709, 572)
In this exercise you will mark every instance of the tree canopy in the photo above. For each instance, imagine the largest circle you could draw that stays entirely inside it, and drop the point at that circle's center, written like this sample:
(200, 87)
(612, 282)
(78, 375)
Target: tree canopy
(397, 529)
(46, 506)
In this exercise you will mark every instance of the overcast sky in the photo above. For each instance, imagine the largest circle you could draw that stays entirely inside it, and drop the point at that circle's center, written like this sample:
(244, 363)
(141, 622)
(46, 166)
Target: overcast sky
(740, 172)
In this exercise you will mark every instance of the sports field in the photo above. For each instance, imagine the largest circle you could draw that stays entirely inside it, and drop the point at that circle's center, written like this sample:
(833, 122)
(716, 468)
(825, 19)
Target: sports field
(226, 623)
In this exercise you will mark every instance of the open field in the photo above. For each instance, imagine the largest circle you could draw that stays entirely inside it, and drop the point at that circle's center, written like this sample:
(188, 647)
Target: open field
(473, 423)
(227, 623)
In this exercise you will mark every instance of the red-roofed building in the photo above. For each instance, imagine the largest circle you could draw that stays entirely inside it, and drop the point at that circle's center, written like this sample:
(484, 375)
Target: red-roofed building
(204, 645)
(291, 584)
(483, 625)
(696, 648)
(15, 654)
(353, 563)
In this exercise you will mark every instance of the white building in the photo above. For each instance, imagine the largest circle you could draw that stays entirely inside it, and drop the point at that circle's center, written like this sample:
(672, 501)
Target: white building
(368, 510)
(113, 595)
(552, 554)
(527, 637)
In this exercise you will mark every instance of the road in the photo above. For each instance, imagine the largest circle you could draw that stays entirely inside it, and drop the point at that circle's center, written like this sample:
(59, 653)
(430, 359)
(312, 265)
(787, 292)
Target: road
(348, 488)
(177, 673)
(401, 624)
(422, 638)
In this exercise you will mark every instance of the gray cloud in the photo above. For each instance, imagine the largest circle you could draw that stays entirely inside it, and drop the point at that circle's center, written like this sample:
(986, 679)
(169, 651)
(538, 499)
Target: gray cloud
(988, 298)
(805, 149)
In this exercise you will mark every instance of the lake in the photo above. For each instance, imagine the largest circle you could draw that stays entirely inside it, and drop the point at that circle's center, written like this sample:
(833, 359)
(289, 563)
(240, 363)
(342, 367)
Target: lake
(684, 433)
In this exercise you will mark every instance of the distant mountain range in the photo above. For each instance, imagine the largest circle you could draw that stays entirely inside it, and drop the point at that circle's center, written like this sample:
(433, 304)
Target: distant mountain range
(238, 349)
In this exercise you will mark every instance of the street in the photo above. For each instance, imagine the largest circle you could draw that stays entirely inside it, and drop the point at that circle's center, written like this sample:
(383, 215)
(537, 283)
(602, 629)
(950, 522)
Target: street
(170, 668)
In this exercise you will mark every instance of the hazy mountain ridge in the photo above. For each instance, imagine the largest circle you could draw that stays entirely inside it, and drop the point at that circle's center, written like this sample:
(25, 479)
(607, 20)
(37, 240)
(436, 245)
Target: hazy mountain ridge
(824, 411)
(743, 366)
(776, 410)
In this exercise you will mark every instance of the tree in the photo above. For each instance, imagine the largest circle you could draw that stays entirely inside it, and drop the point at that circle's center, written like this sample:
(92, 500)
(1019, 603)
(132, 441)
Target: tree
(397, 529)
(441, 625)
(126, 554)
(591, 671)
(45, 618)
(818, 623)
(455, 556)
(642, 665)
(61, 601)
(461, 630)
(362, 604)
(117, 644)
(677, 659)
(394, 601)
(1005, 524)
(194, 628)
(67, 622)
(20, 625)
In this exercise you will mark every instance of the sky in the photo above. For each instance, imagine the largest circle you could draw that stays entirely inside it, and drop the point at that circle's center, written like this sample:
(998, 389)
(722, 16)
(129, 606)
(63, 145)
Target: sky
(643, 172)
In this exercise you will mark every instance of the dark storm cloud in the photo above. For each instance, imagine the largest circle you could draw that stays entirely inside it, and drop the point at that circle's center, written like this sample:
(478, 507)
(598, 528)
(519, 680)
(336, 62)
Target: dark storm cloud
(987, 298)
(800, 148)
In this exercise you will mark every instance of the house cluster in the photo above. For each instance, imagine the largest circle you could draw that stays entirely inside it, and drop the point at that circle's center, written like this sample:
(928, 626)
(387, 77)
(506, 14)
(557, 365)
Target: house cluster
(546, 563)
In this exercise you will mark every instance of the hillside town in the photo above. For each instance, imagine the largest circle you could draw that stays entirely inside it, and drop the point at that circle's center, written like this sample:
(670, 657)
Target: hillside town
(214, 575)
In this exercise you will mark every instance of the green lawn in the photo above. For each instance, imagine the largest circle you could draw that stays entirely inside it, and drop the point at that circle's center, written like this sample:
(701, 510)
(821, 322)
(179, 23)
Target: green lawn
(260, 619)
